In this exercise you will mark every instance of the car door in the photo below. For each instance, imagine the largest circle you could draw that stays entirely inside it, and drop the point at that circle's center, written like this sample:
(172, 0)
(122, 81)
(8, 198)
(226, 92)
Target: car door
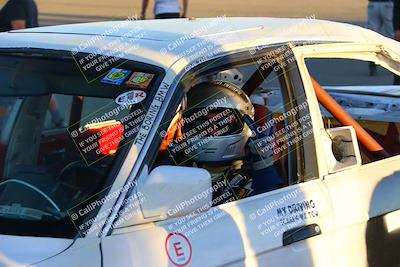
(273, 229)
(365, 197)
(276, 228)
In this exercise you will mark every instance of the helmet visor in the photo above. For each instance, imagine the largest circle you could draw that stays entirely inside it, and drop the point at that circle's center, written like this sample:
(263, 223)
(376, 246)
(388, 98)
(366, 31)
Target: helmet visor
(212, 122)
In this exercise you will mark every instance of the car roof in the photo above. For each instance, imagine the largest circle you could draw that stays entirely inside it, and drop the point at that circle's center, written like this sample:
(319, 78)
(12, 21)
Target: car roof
(175, 36)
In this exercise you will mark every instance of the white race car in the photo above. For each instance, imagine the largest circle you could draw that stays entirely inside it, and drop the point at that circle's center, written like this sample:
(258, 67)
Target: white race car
(199, 142)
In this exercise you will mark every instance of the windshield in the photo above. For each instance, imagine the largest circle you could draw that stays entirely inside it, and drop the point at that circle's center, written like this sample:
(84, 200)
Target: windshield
(63, 138)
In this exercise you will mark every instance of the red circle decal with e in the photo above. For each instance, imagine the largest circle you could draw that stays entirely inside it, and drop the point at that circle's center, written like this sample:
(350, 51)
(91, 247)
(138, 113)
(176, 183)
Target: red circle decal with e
(178, 249)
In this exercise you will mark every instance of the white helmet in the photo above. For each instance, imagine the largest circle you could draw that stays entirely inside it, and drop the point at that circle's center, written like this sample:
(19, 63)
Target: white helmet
(213, 122)
(232, 76)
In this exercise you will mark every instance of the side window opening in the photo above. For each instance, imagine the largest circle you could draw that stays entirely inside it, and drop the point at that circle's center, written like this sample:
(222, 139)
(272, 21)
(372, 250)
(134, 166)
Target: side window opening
(368, 93)
(242, 140)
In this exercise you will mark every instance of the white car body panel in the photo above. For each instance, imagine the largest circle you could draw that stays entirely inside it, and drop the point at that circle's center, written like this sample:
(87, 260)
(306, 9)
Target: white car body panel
(83, 252)
(366, 193)
(342, 199)
(263, 32)
(231, 237)
(20, 251)
(349, 191)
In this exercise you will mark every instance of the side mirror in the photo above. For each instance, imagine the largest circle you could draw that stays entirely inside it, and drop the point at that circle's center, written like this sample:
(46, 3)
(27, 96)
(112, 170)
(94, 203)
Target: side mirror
(172, 191)
(342, 149)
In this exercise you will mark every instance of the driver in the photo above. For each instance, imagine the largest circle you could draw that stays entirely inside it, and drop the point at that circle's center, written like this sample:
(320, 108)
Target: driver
(215, 137)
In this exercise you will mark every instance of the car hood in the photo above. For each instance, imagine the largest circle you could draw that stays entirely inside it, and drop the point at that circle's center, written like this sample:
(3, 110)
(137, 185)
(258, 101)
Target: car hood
(21, 250)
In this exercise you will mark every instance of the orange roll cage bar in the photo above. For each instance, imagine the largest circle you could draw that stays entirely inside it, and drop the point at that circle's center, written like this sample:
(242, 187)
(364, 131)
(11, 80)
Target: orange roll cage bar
(344, 118)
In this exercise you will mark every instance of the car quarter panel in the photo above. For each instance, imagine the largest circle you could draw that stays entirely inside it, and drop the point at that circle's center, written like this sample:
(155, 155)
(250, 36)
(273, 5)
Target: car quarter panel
(360, 197)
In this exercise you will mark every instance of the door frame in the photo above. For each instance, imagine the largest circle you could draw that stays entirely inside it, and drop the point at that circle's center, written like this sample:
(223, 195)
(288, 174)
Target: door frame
(218, 61)
(379, 54)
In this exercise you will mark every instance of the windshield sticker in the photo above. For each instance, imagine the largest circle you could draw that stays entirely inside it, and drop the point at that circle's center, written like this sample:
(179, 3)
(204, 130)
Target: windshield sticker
(116, 76)
(131, 97)
(140, 80)
(151, 114)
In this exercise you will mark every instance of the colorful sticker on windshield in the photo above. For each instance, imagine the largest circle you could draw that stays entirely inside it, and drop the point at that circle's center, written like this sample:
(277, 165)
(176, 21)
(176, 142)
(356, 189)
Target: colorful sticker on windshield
(130, 97)
(140, 80)
(116, 76)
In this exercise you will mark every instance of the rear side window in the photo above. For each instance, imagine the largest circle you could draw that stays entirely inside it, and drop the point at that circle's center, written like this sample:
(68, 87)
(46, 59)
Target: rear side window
(370, 95)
